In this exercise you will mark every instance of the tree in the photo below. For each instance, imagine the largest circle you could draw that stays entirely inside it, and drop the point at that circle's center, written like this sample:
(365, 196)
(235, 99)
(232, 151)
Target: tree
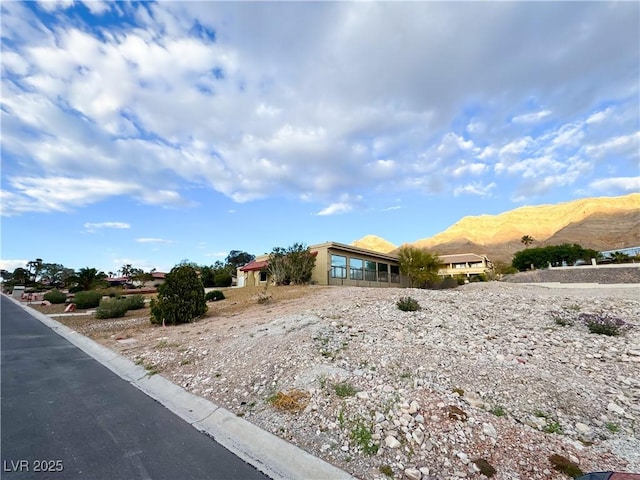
(541, 257)
(419, 265)
(180, 297)
(6, 275)
(20, 276)
(620, 257)
(527, 240)
(126, 270)
(237, 259)
(36, 266)
(88, 278)
(293, 265)
(52, 273)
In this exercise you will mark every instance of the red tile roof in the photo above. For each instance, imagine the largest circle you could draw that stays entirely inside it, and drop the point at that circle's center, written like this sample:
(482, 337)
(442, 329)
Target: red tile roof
(253, 266)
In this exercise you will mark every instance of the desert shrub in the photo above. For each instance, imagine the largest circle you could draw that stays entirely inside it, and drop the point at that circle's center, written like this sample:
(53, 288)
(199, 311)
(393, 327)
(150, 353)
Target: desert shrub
(345, 389)
(222, 280)
(461, 279)
(136, 302)
(564, 465)
(214, 295)
(444, 284)
(55, 296)
(87, 299)
(76, 289)
(563, 318)
(603, 323)
(180, 297)
(408, 304)
(291, 266)
(111, 292)
(112, 308)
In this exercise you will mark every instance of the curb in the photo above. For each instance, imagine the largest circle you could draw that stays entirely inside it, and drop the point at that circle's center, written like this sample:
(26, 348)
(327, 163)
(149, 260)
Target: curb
(268, 453)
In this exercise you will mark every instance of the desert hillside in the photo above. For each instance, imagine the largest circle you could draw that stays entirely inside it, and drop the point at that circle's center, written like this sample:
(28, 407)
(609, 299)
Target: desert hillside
(600, 223)
(374, 243)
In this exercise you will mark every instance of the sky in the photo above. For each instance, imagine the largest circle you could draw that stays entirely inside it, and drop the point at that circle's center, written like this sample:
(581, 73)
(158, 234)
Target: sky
(150, 133)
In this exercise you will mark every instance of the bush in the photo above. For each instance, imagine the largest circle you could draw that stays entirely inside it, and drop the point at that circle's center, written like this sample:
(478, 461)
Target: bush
(214, 295)
(55, 296)
(136, 302)
(112, 308)
(563, 318)
(443, 284)
(90, 299)
(222, 280)
(76, 289)
(603, 323)
(408, 304)
(112, 292)
(180, 297)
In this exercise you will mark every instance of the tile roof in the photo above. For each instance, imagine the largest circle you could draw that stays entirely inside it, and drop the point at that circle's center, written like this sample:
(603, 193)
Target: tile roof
(255, 265)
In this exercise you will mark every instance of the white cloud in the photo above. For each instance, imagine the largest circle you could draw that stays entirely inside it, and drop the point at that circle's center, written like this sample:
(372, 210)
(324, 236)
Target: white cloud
(476, 188)
(531, 117)
(160, 241)
(11, 265)
(92, 227)
(155, 108)
(616, 185)
(346, 204)
(622, 145)
(216, 254)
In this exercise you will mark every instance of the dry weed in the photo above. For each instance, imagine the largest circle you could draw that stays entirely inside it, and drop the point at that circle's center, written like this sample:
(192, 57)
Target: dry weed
(292, 401)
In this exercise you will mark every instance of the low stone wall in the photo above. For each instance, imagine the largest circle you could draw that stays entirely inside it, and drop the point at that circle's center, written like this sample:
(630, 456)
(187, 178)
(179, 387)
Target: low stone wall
(585, 274)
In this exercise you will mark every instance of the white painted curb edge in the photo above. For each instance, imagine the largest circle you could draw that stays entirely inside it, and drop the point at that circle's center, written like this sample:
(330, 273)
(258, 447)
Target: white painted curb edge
(268, 453)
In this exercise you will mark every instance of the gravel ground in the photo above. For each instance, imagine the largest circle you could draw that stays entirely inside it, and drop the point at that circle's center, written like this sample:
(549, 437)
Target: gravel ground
(481, 378)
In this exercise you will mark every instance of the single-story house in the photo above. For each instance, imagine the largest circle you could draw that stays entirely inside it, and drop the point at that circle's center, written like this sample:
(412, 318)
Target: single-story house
(467, 264)
(337, 264)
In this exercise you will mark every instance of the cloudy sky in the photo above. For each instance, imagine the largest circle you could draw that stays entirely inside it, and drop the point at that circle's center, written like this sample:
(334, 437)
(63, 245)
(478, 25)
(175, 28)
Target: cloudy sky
(149, 133)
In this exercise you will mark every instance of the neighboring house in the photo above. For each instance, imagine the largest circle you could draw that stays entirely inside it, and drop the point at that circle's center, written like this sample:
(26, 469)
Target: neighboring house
(156, 281)
(337, 264)
(467, 264)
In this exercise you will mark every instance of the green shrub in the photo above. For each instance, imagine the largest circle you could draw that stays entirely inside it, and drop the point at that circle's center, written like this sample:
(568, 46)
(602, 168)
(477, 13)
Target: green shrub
(180, 297)
(603, 323)
(408, 304)
(344, 389)
(444, 284)
(55, 296)
(136, 302)
(222, 280)
(90, 299)
(214, 295)
(76, 289)
(563, 318)
(112, 308)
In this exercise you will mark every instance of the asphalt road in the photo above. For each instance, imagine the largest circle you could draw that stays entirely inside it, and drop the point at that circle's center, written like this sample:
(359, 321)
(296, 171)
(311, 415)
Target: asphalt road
(66, 416)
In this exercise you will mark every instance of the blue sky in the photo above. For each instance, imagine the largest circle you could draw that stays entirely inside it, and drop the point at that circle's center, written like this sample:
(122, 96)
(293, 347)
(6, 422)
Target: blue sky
(149, 133)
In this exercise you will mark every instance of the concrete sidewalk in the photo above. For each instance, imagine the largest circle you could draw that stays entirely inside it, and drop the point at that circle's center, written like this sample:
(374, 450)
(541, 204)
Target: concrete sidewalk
(268, 453)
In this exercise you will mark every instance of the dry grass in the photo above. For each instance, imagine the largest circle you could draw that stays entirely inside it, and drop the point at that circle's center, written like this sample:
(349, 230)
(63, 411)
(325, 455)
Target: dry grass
(292, 401)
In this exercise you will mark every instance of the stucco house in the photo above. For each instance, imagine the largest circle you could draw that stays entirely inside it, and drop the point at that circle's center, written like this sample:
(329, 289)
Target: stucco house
(337, 264)
(467, 264)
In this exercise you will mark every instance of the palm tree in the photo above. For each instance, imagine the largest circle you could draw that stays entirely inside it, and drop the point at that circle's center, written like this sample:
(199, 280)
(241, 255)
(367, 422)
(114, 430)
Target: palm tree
(89, 278)
(126, 270)
(527, 240)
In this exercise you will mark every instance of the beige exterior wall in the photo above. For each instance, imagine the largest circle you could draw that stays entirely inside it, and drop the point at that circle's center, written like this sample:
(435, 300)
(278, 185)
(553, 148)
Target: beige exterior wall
(474, 267)
(322, 272)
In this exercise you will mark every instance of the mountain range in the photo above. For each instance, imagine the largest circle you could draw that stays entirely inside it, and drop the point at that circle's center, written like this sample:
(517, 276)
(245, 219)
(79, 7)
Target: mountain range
(602, 223)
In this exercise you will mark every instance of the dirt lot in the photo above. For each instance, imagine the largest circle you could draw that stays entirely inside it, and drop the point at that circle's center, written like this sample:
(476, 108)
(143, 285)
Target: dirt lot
(481, 375)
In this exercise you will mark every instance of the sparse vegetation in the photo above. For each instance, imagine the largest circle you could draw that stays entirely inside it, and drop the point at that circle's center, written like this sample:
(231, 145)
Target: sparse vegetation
(566, 466)
(553, 427)
(485, 467)
(603, 323)
(613, 427)
(292, 401)
(344, 389)
(498, 411)
(386, 470)
(408, 304)
(563, 318)
(361, 435)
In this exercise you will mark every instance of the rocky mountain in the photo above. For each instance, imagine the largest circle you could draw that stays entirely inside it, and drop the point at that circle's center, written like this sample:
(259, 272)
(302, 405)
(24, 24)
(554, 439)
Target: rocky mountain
(377, 244)
(602, 223)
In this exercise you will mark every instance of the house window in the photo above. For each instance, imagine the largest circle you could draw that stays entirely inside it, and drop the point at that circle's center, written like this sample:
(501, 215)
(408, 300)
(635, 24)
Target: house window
(338, 266)
(383, 272)
(263, 276)
(395, 274)
(370, 271)
(355, 268)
